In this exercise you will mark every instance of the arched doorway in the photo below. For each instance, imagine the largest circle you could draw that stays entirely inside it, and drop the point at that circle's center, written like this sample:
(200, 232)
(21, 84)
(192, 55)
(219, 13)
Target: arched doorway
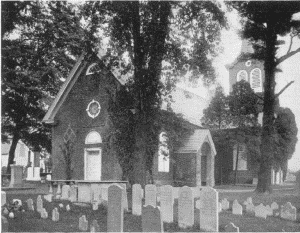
(205, 162)
(92, 156)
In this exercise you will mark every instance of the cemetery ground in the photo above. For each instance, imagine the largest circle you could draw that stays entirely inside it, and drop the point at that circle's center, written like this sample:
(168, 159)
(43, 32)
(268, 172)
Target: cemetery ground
(31, 221)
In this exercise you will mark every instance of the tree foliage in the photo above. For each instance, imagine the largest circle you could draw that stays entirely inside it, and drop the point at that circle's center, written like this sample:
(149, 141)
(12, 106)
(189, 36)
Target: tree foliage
(38, 48)
(263, 22)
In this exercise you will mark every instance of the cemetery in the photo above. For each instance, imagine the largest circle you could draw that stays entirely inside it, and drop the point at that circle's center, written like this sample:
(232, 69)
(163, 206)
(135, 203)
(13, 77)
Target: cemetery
(153, 209)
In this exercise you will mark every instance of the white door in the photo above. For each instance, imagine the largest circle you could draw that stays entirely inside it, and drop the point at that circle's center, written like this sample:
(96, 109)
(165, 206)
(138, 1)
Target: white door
(93, 164)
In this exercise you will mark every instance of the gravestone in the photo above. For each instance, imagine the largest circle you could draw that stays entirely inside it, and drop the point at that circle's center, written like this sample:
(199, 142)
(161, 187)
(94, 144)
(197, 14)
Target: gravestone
(115, 212)
(150, 195)
(136, 199)
(225, 204)
(61, 205)
(73, 193)
(39, 203)
(44, 213)
(48, 197)
(125, 199)
(196, 192)
(104, 193)
(237, 209)
(58, 191)
(83, 223)
(209, 216)
(220, 207)
(274, 206)
(269, 210)
(166, 203)
(95, 205)
(185, 207)
(288, 212)
(231, 228)
(65, 192)
(249, 200)
(198, 204)
(250, 208)
(55, 215)
(175, 192)
(16, 178)
(50, 188)
(255, 180)
(94, 226)
(151, 219)
(68, 207)
(4, 224)
(260, 211)
(30, 204)
(3, 198)
(96, 192)
(84, 193)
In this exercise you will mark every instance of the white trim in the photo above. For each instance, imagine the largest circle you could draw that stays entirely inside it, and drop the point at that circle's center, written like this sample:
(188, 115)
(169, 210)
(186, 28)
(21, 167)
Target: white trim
(85, 160)
(88, 109)
(88, 72)
(99, 139)
(239, 73)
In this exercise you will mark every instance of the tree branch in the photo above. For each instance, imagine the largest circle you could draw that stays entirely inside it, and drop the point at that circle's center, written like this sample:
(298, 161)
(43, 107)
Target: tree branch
(283, 89)
(258, 96)
(286, 56)
(291, 43)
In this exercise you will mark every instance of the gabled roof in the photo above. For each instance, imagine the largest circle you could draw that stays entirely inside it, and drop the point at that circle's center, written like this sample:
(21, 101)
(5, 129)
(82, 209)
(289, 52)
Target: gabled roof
(80, 66)
(193, 143)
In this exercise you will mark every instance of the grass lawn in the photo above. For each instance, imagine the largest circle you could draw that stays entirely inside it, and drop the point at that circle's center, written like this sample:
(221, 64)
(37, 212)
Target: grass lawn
(30, 221)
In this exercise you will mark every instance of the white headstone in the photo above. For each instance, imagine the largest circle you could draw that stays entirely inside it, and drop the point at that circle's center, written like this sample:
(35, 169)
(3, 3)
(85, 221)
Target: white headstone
(166, 203)
(260, 211)
(39, 203)
(83, 223)
(95, 205)
(250, 208)
(185, 207)
(269, 210)
(209, 216)
(136, 199)
(237, 209)
(274, 206)
(48, 197)
(231, 228)
(104, 193)
(150, 195)
(44, 214)
(225, 204)
(84, 193)
(115, 212)
(3, 198)
(151, 219)
(68, 207)
(50, 189)
(198, 204)
(55, 215)
(65, 192)
(94, 226)
(73, 193)
(220, 207)
(288, 212)
(30, 204)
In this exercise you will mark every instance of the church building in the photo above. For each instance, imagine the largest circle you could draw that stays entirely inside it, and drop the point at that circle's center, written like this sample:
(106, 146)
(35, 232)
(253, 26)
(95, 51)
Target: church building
(79, 114)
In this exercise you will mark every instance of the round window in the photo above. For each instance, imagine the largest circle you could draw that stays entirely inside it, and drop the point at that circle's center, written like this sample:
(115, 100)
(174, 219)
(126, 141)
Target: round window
(93, 109)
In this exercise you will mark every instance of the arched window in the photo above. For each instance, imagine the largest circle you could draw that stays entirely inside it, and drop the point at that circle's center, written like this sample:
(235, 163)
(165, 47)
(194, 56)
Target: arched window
(256, 80)
(163, 153)
(93, 138)
(242, 75)
(92, 69)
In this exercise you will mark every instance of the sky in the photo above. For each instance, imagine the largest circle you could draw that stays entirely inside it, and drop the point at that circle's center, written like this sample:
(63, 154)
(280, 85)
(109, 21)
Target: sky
(291, 71)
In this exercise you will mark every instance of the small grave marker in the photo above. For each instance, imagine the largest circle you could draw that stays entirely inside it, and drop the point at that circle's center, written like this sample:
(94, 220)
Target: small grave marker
(269, 210)
(220, 207)
(260, 211)
(115, 212)
(209, 216)
(65, 192)
(58, 191)
(225, 204)
(83, 223)
(185, 207)
(151, 219)
(166, 203)
(274, 206)
(48, 197)
(30, 204)
(73, 193)
(137, 199)
(94, 226)
(95, 205)
(68, 208)
(150, 195)
(39, 203)
(55, 215)
(3, 198)
(231, 228)
(44, 213)
(237, 209)
(288, 212)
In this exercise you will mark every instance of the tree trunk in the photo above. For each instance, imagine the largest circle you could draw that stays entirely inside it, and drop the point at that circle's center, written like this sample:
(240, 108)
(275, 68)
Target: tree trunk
(236, 163)
(268, 132)
(11, 154)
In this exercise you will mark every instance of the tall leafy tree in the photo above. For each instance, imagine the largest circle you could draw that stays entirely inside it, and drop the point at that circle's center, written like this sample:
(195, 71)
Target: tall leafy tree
(263, 22)
(143, 34)
(39, 46)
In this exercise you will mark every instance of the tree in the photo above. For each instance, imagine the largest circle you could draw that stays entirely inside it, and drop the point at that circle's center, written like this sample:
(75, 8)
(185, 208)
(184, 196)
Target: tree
(286, 140)
(142, 36)
(216, 115)
(264, 21)
(36, 54)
